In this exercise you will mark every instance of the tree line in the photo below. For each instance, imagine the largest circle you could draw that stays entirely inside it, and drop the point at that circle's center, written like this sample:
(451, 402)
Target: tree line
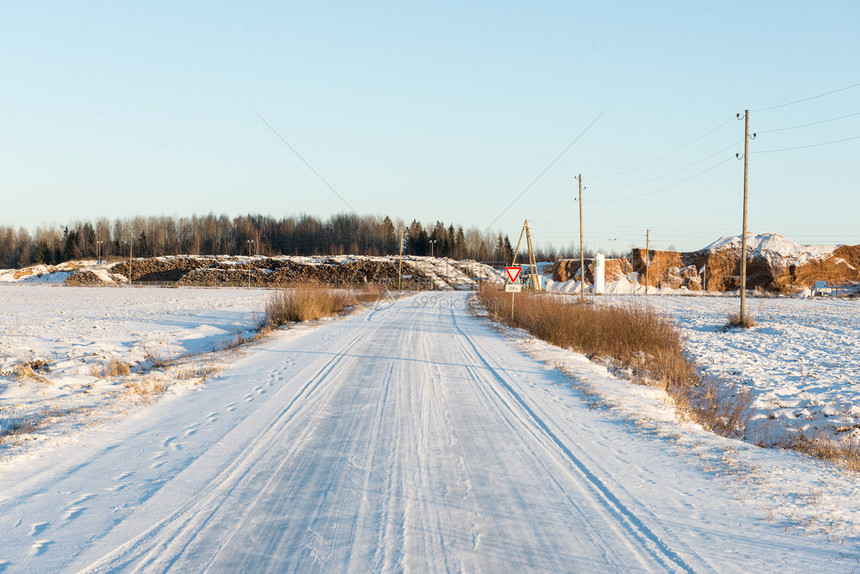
(255, 234)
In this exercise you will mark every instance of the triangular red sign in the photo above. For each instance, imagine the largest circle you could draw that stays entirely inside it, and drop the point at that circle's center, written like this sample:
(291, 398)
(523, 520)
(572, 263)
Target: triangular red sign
(513, 273)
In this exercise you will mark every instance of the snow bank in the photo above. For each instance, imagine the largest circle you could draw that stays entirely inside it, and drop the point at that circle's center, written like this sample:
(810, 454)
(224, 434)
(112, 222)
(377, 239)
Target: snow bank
(774, 248)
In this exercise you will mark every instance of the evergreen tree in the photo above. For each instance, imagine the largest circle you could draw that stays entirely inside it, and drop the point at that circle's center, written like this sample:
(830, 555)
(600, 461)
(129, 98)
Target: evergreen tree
(389, 238)
(418, 242)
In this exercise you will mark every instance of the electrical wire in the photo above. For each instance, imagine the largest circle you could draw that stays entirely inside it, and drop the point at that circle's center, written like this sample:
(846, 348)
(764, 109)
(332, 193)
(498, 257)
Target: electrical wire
(731, 145)
(559, 213)
(546, 169)
(716, 165)
(298, 155)
(554, 203)
(685, 146)
(806, 146)
(806, 99)
(809, 124)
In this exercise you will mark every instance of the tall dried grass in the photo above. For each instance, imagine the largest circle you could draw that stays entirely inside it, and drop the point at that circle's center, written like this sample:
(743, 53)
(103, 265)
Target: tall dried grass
(822, 445)
(641, 341)
(115, 368)
(146, 391)
(745, 322)
(310, 301)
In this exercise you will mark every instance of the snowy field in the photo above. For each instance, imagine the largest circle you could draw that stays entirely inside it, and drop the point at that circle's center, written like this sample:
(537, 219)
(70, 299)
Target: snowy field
(71, 335)
(801, 360)
(410, 436)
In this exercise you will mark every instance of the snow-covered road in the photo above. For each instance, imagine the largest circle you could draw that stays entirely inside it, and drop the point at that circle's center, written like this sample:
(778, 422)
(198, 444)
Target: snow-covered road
(412, 437)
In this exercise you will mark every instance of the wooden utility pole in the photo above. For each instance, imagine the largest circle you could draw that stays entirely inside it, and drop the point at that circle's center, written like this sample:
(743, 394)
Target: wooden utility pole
(130, 249)
(647, 256)
(581, 248)
(744, 233)
(250, 241)
(532, 262)
(400, 265)
(519, 242)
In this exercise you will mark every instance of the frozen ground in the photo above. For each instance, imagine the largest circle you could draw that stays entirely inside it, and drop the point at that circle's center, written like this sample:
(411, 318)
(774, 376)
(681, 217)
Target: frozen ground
(413, 436)
(801, 360)
(71, 335)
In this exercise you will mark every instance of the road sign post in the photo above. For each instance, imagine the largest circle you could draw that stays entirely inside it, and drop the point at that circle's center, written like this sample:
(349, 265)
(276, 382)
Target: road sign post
(513, 287)
(513, 273)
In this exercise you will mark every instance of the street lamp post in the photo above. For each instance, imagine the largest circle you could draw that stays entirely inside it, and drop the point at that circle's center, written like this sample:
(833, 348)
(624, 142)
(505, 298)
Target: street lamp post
(612, 245)
(98, 252)
(250, 242)
(432, 243)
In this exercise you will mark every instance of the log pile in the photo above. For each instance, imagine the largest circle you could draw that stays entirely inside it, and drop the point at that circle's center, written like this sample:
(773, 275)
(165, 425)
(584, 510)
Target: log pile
(159, 269)
(341, 271)
(89, 278)
(270, 272)
(83, 279)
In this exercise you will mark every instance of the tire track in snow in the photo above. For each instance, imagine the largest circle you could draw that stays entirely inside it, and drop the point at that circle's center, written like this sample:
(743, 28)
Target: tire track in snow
(648, 539)
(164, 542)
(409, 440)
(254, 545)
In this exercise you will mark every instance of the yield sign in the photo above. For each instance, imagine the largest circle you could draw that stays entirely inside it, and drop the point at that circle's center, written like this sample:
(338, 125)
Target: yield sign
(513, 273)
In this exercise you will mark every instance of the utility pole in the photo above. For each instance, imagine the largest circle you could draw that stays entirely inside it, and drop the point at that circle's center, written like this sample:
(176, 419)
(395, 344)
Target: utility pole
(250, 241)
(400, 265)
(581, 248)
(532, 263)
(744, 234)
(535, 278)
(130, 251)
(647, 256)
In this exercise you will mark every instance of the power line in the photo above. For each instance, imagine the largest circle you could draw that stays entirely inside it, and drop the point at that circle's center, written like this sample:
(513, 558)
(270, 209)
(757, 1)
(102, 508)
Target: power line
(731, 145)
(716, 165)
(555, 202)
(807, 146)
(807, 99)
(298, 155)
(665, 156)
(552, 163)
(558, 212)
(809, 124)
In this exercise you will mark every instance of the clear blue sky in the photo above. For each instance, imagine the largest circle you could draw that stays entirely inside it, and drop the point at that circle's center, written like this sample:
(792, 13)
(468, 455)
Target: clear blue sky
(438, 110)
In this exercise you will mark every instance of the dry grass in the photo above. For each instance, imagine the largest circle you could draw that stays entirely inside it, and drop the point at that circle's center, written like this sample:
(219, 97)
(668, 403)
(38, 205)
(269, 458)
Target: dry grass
(723, 409)
(30, 423)
(119, 368)
(31, 370)
(745, 322)
(634, 336)
(650, 348)
(155, 361)
(237, 341)
(17, 427)
(115, 368)
(822, 445)
(644, 343)
(310, 301)
(145, 391)
(199, 372)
